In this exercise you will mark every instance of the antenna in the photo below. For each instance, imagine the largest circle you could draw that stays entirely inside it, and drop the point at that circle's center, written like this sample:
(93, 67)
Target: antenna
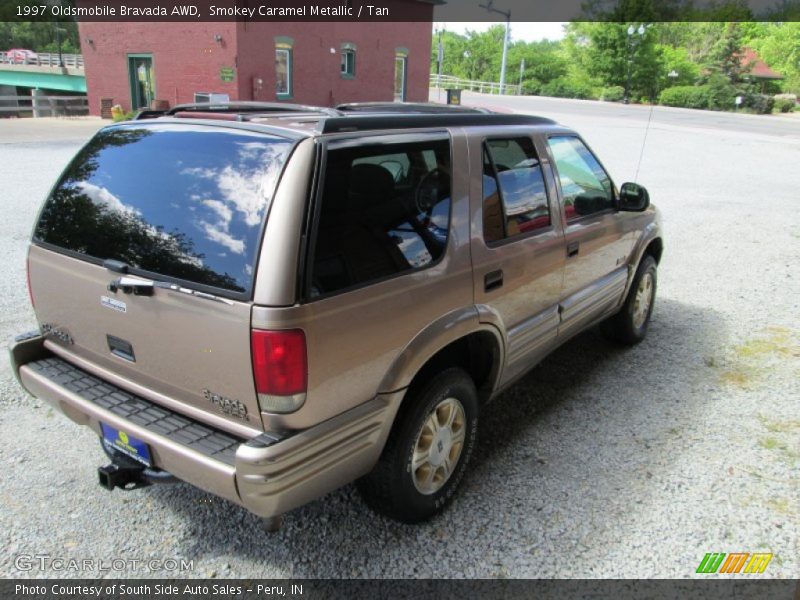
(644, 141)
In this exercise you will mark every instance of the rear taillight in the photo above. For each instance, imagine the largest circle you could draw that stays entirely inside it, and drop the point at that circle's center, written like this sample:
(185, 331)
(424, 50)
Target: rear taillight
(280, 369)
(28, 279)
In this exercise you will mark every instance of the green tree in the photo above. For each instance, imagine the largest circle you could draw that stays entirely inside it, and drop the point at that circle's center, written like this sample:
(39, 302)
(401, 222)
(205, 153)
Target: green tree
(610, 54)
(40, 36)
(779, 47)
(544, 62)
(677, 67)
(725, 54)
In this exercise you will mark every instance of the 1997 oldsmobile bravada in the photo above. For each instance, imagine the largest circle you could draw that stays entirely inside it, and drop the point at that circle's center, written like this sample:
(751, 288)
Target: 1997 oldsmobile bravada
(269, 302)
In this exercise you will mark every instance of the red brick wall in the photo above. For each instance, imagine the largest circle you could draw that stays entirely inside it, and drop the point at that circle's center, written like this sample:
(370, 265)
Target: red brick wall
(316, 72)
(186, 59)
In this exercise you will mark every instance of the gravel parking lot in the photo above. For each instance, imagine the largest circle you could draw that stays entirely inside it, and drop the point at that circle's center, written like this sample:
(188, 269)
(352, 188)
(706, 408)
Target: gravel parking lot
(602, 462)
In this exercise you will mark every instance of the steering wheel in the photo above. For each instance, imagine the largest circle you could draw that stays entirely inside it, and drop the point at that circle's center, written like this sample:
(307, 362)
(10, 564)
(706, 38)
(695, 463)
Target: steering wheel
(426, 196)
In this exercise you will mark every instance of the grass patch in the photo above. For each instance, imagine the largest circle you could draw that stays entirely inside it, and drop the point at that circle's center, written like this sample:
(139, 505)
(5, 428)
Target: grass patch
(778, 342)
(780, 446)
(781, 506)
(751, 360)
(779, 426)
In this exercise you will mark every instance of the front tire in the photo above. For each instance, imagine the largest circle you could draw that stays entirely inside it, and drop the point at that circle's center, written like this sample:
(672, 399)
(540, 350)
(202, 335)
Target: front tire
(629, 325)
(427, 451)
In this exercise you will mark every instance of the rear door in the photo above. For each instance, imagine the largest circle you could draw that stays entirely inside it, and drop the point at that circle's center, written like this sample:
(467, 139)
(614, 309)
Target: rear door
(180, 205)
(518, 246)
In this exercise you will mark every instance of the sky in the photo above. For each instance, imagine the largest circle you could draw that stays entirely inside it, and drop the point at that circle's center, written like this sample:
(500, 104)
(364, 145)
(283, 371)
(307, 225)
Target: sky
(528, 32)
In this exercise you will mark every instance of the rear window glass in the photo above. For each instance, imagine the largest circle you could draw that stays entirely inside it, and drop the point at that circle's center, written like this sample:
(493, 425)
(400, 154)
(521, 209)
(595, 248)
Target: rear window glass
(183, 202)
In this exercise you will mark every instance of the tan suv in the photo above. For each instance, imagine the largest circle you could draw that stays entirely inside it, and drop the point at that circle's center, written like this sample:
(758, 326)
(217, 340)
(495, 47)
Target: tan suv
(269, 302)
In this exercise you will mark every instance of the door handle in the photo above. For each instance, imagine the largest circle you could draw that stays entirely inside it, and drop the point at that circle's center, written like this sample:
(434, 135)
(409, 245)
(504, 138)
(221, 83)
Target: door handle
(573, 248)
(493, 280)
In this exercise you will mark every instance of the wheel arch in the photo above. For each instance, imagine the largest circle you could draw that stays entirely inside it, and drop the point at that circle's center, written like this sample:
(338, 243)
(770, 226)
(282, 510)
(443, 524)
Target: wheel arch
(456, 339)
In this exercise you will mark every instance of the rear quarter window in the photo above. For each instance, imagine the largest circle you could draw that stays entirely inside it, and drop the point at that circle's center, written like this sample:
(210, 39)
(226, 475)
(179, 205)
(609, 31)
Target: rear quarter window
(181, 202)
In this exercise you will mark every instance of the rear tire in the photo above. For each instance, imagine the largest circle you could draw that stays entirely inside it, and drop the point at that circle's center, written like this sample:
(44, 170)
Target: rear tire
(629, 325)
(427, 451)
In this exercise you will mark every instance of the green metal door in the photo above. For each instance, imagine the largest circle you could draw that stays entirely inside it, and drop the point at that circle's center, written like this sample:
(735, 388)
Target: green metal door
(142, 80)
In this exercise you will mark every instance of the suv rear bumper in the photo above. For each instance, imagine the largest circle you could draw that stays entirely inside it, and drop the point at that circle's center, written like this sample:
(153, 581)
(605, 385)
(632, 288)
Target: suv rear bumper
(269, 474)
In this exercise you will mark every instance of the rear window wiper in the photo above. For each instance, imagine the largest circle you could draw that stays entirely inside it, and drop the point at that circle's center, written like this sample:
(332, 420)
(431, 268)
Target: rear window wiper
(145, 287)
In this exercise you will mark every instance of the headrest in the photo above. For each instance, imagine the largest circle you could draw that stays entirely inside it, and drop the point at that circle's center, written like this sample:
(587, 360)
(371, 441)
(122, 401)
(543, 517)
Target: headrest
(371, 181)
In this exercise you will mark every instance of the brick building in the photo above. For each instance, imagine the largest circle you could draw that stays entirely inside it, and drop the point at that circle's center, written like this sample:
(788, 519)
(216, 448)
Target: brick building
(132, 64)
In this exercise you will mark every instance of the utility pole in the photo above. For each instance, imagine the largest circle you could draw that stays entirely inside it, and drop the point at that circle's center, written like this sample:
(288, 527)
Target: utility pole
(59, 30)
(521, 71)
(439, 59)
(507, 14)
(635, 37)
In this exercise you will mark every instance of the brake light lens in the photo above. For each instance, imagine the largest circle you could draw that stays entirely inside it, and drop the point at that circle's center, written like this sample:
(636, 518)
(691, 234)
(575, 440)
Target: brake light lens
(28, 279)
(280, 369)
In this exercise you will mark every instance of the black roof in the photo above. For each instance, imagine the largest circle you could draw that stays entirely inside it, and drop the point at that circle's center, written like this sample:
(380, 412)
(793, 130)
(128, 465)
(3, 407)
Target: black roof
(408, 108)
(415, 121)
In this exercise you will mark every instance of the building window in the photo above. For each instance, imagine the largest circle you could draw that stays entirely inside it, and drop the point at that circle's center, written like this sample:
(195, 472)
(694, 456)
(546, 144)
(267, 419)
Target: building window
(400, 77)
(283, 67)
(348, 63)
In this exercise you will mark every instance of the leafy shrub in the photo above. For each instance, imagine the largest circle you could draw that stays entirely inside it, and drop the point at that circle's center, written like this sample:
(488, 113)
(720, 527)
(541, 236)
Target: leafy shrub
(785, 102)
(721, 94)
(686, 96)
(615, 93)
(532, 87)
(563, 87)
(761, 104)
(783, 105)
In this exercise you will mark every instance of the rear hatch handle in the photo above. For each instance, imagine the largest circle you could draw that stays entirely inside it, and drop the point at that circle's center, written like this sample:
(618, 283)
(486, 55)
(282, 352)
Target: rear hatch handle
(131, 285)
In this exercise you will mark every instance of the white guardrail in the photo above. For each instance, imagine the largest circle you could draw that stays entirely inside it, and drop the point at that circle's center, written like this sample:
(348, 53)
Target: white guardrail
(43, 106)
(484, 87)
(43, 59)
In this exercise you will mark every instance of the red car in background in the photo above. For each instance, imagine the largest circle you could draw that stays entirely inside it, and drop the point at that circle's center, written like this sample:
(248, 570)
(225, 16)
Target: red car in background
(20, 56)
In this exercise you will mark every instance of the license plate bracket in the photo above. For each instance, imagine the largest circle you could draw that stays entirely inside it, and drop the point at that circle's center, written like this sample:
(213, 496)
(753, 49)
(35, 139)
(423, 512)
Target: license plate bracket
(127, 444)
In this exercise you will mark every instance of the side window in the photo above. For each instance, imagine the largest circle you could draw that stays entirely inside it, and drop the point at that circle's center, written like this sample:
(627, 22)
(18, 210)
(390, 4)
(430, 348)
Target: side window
(514, 195)
(396, 164)
(370, 227)
(585, 187)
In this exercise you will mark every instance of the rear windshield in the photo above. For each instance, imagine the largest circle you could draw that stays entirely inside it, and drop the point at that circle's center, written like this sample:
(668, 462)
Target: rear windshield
(178, 201)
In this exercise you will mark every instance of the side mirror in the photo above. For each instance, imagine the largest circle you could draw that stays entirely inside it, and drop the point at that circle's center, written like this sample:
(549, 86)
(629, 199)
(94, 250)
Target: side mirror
(633, 197)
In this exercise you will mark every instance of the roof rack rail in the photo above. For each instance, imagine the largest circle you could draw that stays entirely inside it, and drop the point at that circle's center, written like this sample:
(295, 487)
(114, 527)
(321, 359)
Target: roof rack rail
(409, 108)
(148, 114)
(250, 107)
(412, 121)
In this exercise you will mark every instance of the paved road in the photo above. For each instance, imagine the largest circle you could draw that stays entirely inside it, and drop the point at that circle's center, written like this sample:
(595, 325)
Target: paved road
(568, 111)
(603, 462)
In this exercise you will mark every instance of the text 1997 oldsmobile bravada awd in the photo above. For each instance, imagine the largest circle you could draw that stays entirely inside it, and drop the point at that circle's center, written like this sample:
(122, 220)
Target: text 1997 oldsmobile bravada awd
(269, 302)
